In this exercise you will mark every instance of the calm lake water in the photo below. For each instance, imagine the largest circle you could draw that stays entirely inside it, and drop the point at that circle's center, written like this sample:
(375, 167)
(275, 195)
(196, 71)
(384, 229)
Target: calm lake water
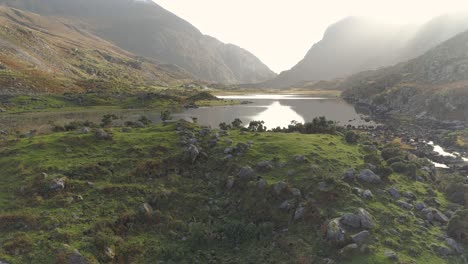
(275, 110)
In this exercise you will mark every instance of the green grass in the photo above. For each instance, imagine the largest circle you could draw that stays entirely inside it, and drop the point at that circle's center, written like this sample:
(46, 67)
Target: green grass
(195, 218)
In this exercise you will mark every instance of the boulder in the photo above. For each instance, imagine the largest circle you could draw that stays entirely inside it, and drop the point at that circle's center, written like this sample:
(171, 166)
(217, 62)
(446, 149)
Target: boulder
(404, 204)
(369, 176)
(361, 219)
(84, 130)
(457, 248)
(335, 233)
(300, 158)
(394, 192)
(351, 220)
(57, 184)
(285, 205)
(296, 192)
(349, 249)
(102, 135)
(261, 184)
(420, 206)
(76, 258)
(246, 172)
(360, 237)
(230, 183)
(264, 166)
(367, 194)
(349, 175)
(299, 213)
(193, 152)
(138, 124)
(280, 187)
(390, 254)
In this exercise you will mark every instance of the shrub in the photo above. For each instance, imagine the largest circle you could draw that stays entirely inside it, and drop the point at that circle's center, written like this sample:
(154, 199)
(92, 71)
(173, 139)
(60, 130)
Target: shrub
(351, 137)
(237, 123)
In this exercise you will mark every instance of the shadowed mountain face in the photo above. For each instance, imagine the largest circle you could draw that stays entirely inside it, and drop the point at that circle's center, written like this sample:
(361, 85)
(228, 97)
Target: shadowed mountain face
(46, 54)
(356, 44)
(434, 85)
(146, 29)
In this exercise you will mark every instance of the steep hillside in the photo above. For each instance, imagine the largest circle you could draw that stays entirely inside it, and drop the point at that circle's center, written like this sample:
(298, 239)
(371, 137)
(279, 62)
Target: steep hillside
(146, 29)
(434, 85)
(42, 54)
(356, 44)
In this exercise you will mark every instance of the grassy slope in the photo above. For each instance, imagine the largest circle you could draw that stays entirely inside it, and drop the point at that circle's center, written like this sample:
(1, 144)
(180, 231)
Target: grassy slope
(196, 219)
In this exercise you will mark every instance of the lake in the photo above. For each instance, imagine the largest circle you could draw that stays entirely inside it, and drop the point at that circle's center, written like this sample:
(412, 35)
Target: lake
(275, 110)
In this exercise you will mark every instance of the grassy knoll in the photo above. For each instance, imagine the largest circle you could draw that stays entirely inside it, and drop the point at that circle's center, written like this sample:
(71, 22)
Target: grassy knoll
(180, 193)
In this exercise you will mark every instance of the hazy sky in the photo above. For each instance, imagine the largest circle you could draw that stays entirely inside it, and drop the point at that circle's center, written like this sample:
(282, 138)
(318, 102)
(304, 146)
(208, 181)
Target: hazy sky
(280, 32)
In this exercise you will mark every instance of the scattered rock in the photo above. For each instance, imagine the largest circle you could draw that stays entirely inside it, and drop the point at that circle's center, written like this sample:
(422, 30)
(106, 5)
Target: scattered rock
(360, 237)
(296, 192)
(419, 206)
(349, 249)
(146, 209)
(409, 195)
(367, 194)
(57, 184)
(454, 245)
(404, 204)
(139, 124)
(84, 130)
(390, 254)
(335, 233)
(246, 172)
(261, 184)
(76, 258)
(285, 205)
(349, 175)
(102, 135)
(230, 183)
(394, 192)
(264, 166)
(194, 152)
(280, 187)
(351, 220)
(299, 213)
(366, 218)
(369, 176)
(300, 158)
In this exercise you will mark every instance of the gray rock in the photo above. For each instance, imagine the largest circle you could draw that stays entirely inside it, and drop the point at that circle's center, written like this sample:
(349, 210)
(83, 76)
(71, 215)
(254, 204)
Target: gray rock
(242, 147)
(443, 251)
(335, 233)
(194, 152)
(204, 132)
(360, 237)
(351, 220)
(57, 184)
(299, 213)
(261, 184)
(366, 218)
(440, 217)
(394, 192)
(280, 187)
(367, 194)
(454, 245)
(76, 258)
(228, 150)
(102, 135)
(84, 130)
(325, 187)
(300, 158)
(285, 205)
(146, 209)
(264, 166)
(349, 175)
(348, 249)
(409, 195)
(291, 172)
(369, 176)
(246, 172)
(139, 124)
(390, 254)
(404, 204)
(296, 192)
(192, 141)
(419, 206)
(230, 183)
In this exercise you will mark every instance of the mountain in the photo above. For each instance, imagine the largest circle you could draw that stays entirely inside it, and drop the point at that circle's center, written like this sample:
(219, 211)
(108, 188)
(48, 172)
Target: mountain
(146, 29)
(434, 85)
(359, 44)
(44, 54)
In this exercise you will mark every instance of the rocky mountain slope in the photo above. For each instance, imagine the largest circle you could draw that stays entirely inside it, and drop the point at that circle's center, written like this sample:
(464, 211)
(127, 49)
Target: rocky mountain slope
(434, 85)
(146, 29)
(357, 44)
(44, 54)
